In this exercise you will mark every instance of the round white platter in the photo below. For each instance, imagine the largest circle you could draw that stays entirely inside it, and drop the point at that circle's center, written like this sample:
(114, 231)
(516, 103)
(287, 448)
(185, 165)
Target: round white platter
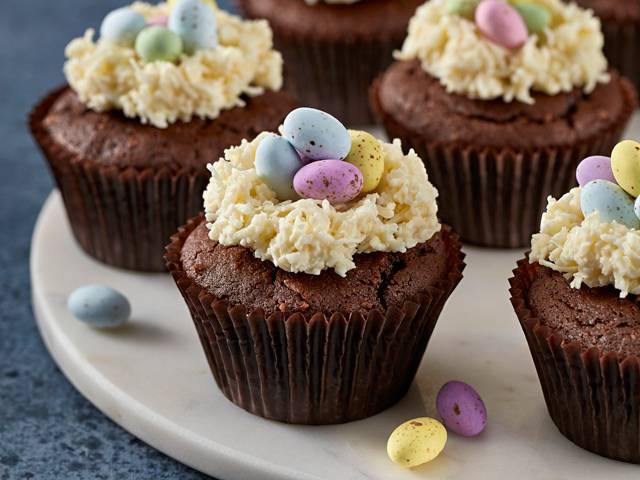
(151, 377)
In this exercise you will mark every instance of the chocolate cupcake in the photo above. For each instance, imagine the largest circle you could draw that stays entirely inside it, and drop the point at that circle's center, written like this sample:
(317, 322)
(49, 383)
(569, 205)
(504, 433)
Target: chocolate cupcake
(311, 312)
(576, 296)
(129, 139)
(621, 28)
(500, 128)
(334, 49)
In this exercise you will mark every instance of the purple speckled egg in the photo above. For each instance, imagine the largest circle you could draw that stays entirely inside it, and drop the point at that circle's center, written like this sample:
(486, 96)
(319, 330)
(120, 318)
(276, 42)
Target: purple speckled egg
(158, 20)
(595, 168)
(305, 160)
(461, 408)
(333, 180)
(502, 24)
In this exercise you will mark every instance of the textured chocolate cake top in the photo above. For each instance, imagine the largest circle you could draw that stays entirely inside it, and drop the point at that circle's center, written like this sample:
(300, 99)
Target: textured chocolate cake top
(379, 281)
(366, 19)
(110, 138)
(416, 100)
(591, 316)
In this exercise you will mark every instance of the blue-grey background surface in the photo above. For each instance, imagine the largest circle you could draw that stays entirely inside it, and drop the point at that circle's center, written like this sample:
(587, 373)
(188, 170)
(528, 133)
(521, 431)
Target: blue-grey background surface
(47, 429)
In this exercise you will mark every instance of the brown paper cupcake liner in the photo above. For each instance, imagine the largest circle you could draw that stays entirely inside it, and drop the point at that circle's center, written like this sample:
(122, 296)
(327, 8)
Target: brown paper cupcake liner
(621, 41)
(592, 396)
(494, 197)
(121, 217)
(318, 370)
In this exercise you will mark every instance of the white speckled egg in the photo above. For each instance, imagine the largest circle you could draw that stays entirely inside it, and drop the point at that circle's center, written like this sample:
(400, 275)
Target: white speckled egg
(277, 162)
(122, 26)
(99, 306)
(195, 22)
(613, 203)
(317, 134)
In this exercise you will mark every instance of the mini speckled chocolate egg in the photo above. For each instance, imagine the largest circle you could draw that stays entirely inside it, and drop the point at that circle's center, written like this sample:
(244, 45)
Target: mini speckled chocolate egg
(317, 134)
(195, 23)
(122, 26)
(305, 160)
(158, 43)
(366, 155)
(461, 408)
(625, 163)
(277, 163)
(613, 203)
(99, 306)
(416, 442)
(333, 180)
(535, 16)
(637, 207)
(502, 24)
(595, 168)
(463, 8)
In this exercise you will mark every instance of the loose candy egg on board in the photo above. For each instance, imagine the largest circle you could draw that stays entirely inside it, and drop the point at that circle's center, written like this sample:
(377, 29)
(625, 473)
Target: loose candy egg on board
(366, 155)
(625, 163)
(317, 134)
(463, 8)
(535, 16)
(122, 26)
(99, 306)
(502, 24)
(195, 23)
(333, 180)
(613, 203)
(277, 163)
(416, 442)
(211, 3)
(158, 20)
(461, 408)
(596, 167)
(158, 43)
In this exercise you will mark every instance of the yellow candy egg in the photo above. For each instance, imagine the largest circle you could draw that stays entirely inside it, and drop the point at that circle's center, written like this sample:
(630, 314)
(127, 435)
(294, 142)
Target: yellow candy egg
(416, 442)
(625, 163)
(211, 3)
(366, 156)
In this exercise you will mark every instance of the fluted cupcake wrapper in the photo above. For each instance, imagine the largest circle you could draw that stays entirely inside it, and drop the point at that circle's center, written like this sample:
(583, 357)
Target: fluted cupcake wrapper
(592, 396)
(122, 217)
(621, 43)
(494, 197)
(317, 370)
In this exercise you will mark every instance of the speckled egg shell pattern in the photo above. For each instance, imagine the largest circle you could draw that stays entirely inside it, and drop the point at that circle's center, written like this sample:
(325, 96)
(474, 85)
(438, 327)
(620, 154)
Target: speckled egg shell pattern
(333, 180)
(461, 408)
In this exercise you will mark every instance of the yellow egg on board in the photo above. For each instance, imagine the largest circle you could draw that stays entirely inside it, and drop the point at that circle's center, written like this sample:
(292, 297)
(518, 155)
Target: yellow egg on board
(625, 163)
(211, 3)
(416, 442)
(366, 155)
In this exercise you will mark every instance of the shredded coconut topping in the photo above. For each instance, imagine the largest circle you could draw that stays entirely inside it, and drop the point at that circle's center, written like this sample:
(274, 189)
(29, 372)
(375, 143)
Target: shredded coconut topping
(109, 76)
(312, 235)
(590, 252)
(451, 48)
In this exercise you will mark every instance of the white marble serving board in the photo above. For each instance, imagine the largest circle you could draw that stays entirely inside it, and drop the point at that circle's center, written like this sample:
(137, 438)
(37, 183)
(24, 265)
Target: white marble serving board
(151, 377)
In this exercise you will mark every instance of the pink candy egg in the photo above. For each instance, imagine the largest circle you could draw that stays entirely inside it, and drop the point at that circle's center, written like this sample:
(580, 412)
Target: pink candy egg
(595, 168)
(158, 20)
(333, 180)
(305, 160)
(502, 24)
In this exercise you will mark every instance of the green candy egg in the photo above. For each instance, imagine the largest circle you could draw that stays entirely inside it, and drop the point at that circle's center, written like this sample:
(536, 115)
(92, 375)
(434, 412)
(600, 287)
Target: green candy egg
(158, 43)
(464, 8)
(535, 17)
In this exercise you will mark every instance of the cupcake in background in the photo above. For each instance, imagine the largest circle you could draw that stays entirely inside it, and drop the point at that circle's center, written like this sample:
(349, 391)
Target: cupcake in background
(334, 49)
(161, 93)
(315, 282)
(621, 28)
(501, 101)
(577, 299)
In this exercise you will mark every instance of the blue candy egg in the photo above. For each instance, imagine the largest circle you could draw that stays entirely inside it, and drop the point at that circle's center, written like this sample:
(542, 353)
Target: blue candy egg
(121, 26)
(637, 207)
(613, 203)
(99, 306)
(277, 162)
(317, 134)
(195, 22)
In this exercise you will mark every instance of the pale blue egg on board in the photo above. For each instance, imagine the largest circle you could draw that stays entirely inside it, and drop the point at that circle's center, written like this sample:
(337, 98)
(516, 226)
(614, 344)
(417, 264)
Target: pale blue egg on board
(122, 26)
(195, 22)
(317, 134)
(277, 163)
(596, 167)
(461, 408)
(613, 203)
(99, 306)
(332, 180)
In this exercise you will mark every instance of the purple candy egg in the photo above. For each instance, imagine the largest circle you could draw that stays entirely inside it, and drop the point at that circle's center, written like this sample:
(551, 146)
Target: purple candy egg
(461, 408)
(305, 160)
(595, 168)
(333, 180)
(158, 20)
